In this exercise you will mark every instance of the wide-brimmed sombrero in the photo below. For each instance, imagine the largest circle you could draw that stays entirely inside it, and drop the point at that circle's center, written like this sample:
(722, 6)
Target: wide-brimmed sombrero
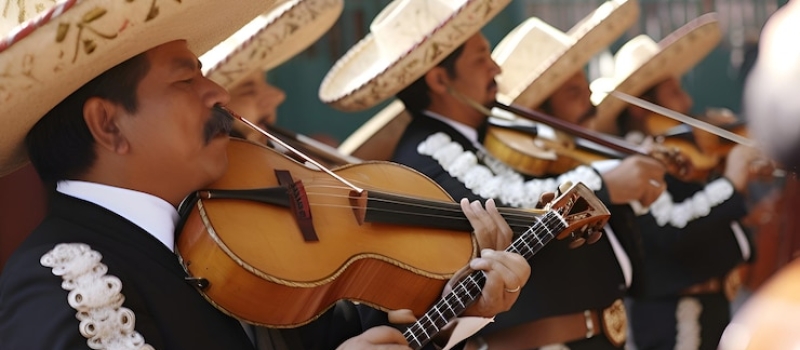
(270, 39)
(407, 39)
(641, 63)
(537, 58)
(50, 49)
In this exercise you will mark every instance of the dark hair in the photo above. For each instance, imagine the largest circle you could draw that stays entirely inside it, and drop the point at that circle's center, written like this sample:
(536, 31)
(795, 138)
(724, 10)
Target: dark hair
(625, 119)
(415, 96)
(60, 145)
(547, 106)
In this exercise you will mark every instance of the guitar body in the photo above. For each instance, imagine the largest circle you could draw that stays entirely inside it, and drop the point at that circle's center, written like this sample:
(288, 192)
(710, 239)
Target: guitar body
(258, 266)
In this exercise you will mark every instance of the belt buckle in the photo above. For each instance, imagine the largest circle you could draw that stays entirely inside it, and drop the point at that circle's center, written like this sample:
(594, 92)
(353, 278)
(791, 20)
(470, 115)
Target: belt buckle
(732, 283)
(615, 323)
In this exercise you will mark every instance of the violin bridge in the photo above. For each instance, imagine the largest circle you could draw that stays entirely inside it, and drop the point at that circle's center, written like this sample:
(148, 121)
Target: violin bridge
(358, 201)
(298, 204)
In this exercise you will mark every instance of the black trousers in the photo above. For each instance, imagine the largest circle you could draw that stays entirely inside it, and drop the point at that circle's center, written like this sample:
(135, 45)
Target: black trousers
(697, 321)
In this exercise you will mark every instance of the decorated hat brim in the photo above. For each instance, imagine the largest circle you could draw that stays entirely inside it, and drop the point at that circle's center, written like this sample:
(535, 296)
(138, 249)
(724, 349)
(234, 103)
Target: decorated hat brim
(362, 78)
(47, 58)
(270, 39)
(594, 33)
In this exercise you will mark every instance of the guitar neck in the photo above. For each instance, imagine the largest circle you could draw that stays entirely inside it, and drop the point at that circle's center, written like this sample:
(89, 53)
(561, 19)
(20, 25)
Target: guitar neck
(389, 208)
(465, 292)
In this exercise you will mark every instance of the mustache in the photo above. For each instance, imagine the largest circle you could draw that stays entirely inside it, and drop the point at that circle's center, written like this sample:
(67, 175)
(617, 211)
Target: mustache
(220, 122)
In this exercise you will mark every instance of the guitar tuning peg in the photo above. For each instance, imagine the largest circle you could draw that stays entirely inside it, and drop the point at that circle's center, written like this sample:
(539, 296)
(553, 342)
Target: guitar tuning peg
(593, 236)
(576, 239)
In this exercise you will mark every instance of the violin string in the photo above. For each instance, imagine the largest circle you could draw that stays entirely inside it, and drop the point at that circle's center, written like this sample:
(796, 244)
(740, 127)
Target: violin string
(513, 212)
(451, 207)
(433, 216)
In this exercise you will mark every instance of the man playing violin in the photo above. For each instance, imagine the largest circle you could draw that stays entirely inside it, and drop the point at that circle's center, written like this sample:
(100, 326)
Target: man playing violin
(125, 140)
(575, 288)
(692, 239)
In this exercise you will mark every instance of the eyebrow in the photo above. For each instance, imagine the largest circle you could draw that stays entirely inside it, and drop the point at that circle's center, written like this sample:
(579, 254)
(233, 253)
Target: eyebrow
(186, 63)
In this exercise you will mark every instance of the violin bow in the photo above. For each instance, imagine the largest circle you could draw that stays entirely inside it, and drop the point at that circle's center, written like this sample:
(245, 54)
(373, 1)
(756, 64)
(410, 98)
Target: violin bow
(684, 119)
(277, 140)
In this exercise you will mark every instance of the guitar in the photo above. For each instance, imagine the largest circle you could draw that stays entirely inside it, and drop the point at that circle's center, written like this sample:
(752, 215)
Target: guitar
(275, 243)
(575, 209)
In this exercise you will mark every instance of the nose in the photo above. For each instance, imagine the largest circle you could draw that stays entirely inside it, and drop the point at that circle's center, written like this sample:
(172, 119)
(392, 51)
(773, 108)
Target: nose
(276, 95)
(496, 68)
(214, 94)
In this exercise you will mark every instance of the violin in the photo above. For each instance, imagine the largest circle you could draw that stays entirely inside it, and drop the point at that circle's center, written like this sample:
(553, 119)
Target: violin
(706, 150)
(676, 162)
(537, 150)
(276, 243)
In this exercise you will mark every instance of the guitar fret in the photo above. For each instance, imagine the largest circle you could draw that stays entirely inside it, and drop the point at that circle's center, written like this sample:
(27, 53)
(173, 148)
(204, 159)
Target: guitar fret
(441, 315)
(427, 335)
(469, 289)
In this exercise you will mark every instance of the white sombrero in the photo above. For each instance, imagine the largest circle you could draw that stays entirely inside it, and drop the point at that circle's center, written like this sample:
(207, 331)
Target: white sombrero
(270, 39)
(407, 39)
(641, 63)
(537, 58)
(47, 50)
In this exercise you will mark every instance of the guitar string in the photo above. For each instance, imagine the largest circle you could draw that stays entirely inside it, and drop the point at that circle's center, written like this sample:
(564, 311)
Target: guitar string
(539, 242)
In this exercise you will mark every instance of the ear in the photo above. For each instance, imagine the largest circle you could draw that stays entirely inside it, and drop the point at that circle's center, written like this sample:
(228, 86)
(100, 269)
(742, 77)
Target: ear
(102, 118)
(437, 80)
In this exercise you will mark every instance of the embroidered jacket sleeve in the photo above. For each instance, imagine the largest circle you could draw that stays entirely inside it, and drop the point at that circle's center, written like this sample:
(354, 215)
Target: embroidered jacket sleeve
(88, 276)
(696, 214)
(693, 225)
(35, 313)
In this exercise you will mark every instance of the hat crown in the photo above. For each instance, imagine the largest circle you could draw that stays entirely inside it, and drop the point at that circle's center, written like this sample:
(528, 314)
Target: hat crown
(528, 46)
(633, 55)
(401, 23)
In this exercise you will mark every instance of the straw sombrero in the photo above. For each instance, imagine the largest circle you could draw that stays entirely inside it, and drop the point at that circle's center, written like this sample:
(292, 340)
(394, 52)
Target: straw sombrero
(407, 39)
(47, 51)
(270, 39)
(537, 58)
(641, 63)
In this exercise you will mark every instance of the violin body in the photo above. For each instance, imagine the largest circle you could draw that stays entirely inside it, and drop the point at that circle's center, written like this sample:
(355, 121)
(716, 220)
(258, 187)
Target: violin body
(707, 151)
(547, 153)
(251, 259)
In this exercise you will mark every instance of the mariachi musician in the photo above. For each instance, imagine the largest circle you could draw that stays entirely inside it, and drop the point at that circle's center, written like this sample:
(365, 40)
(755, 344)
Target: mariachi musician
(241, 62)
(691, 236)
(101, 270)
(578, 291)
(239, 65)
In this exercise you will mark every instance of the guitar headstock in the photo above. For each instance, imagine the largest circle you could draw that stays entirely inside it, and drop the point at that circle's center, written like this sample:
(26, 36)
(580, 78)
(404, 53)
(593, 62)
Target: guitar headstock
(584, 214)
